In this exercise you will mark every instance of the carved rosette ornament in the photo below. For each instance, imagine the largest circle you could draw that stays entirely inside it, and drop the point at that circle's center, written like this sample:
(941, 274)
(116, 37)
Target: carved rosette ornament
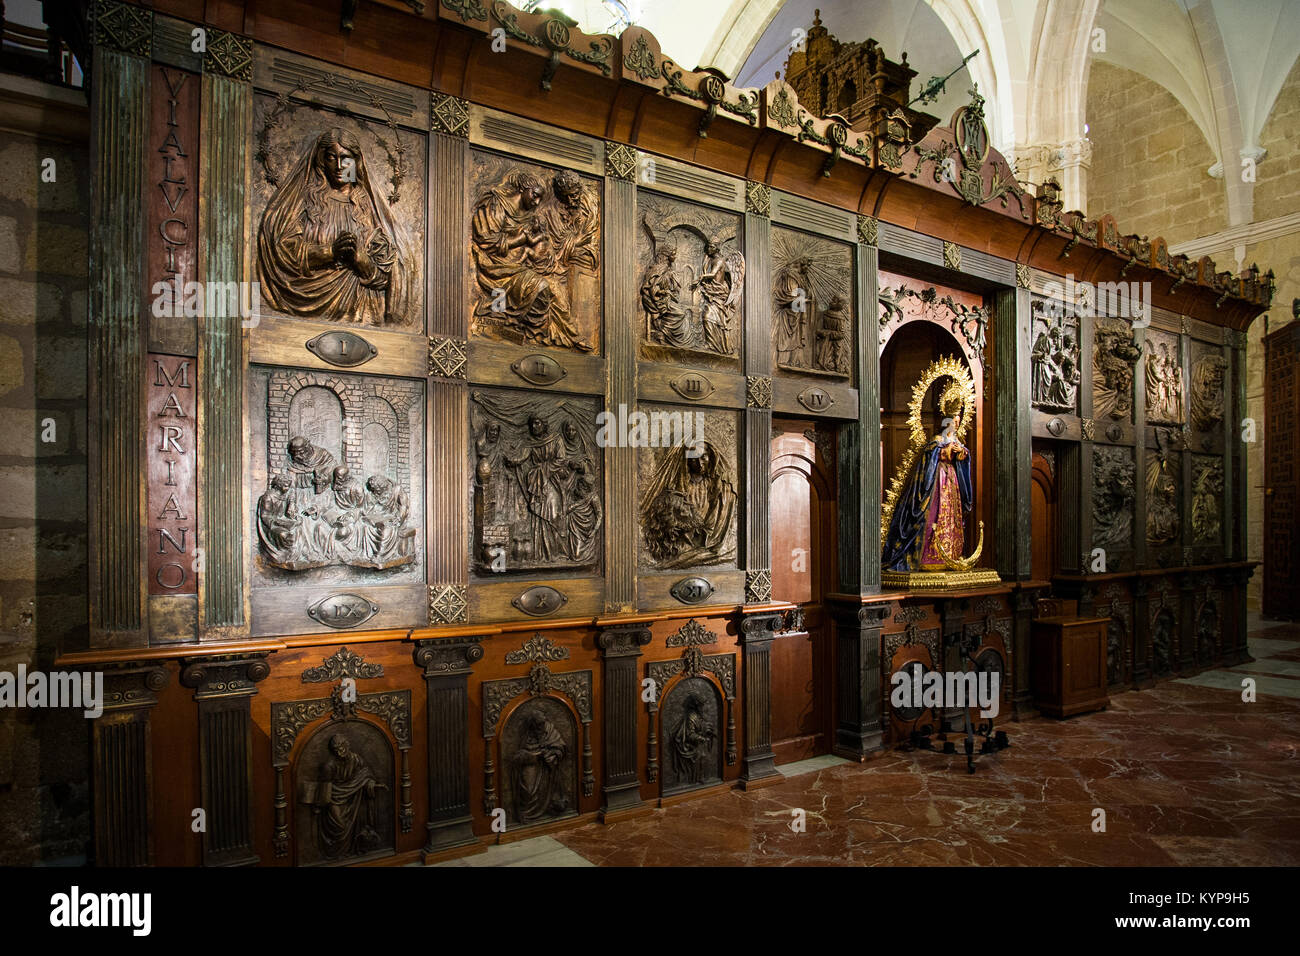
(229, 54)
(951, 255)
(123, 27)
(758, 198)
(868, 230)
(620, 161)
(448, 357)
(758, 391)
(1022, 275)
(758, 586)
(448, 115)
(448, 604)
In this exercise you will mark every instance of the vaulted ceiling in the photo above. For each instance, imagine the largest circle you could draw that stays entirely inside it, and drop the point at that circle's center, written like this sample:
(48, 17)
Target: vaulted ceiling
(1223, 60)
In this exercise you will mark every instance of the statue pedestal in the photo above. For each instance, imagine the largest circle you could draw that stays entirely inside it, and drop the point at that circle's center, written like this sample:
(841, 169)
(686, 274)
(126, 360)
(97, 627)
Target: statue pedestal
(937, 580)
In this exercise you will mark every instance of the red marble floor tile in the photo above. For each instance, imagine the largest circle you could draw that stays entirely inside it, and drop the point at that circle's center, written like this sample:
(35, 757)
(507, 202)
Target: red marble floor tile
(1187, 775)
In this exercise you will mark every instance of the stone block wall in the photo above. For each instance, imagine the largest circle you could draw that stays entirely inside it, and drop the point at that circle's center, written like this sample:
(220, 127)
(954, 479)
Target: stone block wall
(44, 796)
(1149, 159)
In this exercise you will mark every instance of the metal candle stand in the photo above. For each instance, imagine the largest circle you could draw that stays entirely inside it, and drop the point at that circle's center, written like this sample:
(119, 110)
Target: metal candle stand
(993, 741)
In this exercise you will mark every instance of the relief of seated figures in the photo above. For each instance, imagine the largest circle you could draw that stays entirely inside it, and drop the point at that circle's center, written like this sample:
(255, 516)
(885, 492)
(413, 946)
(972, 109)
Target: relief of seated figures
(316, 514)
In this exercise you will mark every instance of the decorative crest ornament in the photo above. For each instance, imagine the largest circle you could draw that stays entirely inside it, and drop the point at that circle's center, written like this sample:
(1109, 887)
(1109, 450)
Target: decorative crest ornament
(712, 92)
(557, 35)
(342, 663)
(641, 59)
(691, 634)
(961, 163)
(539, 648)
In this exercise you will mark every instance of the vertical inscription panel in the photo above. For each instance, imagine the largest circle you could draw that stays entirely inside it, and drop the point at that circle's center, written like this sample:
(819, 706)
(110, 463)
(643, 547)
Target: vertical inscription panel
(170, 470)
(171, 191)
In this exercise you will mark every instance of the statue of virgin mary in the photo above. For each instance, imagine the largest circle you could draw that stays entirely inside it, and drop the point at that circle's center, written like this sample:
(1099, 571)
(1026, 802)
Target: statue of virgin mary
(929, 511)
(327, 246)
(924, 523)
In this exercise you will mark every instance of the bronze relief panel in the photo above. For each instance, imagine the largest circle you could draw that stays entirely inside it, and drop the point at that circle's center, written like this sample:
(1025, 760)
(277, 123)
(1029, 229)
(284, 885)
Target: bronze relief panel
(1114, 491)
(338, 478)
(1163, 496)
(1115, 353)
(812, 305)
(339, 210)
(1055, 358)
(1209, 369)
(1163, 378)
(688, 492)
(1207, 499)
(534, 254)
(693, 734)
(691, 275)
(537, 482)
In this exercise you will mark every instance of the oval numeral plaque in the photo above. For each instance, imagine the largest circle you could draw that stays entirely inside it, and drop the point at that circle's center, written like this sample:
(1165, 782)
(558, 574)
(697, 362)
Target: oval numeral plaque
(539, 369)
(691, 590)
(540, 601)
(815, 399)
(343, 610)
(692, 386)
(344, 349)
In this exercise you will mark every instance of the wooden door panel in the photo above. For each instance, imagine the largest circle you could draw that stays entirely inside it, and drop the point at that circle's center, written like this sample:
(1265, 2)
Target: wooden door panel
(802, 517)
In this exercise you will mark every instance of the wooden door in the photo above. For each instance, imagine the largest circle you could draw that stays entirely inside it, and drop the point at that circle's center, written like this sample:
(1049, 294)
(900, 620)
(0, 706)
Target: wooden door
(1043, 513)
(803, 571)
(1281, 569)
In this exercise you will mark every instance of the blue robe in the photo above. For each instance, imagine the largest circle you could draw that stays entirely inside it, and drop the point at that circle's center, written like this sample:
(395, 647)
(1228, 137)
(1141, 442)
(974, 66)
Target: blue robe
(906, 538)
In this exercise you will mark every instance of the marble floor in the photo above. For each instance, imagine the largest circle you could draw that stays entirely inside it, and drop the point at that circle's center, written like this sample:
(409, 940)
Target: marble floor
(1185, 773)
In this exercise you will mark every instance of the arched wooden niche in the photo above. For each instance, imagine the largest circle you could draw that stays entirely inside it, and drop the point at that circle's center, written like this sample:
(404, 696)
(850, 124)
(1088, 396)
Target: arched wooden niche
(690, 720)
(914, 345)
(344, 789)
(532, 746)
(692, 712)
(539, 762)
(914, 651)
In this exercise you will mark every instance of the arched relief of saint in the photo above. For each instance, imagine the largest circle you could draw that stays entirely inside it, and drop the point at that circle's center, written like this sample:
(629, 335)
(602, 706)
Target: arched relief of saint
(330, 248)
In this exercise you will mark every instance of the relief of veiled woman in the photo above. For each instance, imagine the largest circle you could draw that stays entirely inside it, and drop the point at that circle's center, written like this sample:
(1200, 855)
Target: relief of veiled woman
(327, 246)
(514, 251)
(929, 508)
(688, 508)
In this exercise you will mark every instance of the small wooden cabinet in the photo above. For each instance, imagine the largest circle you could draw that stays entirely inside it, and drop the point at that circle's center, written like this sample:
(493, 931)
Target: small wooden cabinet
(1069, 665)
